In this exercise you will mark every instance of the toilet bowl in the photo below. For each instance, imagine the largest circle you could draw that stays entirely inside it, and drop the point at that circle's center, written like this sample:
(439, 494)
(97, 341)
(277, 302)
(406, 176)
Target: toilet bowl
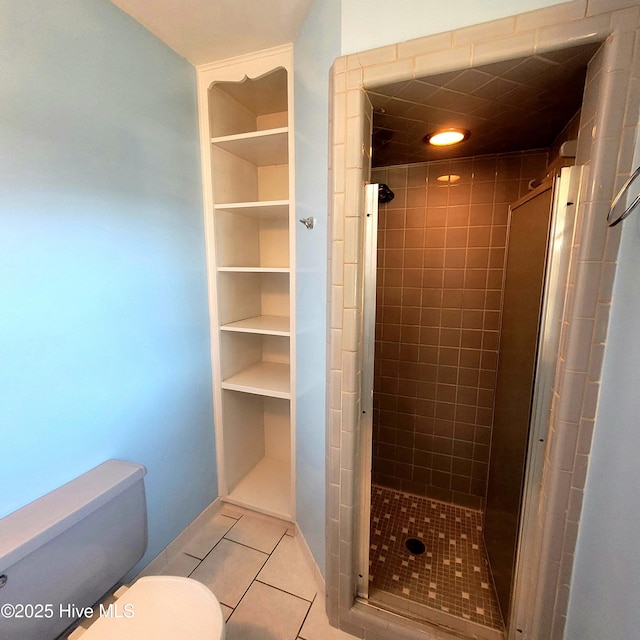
(159, 608)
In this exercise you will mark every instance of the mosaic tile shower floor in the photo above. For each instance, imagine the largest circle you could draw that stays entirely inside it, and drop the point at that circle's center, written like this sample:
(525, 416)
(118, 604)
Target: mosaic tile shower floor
(452, 575)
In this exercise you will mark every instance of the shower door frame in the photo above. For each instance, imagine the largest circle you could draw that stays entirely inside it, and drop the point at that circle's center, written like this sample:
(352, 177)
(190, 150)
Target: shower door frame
(369, 301)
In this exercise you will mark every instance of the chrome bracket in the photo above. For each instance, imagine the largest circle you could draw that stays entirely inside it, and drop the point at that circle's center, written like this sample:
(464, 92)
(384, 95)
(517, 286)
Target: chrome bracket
(309, 222)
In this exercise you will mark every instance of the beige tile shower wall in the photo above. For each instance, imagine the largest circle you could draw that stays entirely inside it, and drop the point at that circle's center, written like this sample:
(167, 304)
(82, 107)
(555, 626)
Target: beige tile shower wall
(348, 172)
(611, 149)
(441, 250)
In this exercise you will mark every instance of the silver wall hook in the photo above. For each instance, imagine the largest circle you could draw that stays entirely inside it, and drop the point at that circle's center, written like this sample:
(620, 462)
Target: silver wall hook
(309, 222)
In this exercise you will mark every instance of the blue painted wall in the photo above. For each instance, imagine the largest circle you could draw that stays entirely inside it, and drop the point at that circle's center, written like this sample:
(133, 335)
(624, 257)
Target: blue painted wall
(104, 339)
(315, 49)
(605, 588)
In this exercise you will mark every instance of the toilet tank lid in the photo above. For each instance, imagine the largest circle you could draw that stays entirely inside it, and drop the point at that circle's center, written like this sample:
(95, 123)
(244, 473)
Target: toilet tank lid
(35, 524)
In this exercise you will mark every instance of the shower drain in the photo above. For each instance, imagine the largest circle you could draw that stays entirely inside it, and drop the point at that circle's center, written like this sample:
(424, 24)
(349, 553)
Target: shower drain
(415, 546)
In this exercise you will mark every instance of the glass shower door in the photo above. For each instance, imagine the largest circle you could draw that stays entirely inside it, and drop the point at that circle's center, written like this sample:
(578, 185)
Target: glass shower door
(522, 303)
(540, 239)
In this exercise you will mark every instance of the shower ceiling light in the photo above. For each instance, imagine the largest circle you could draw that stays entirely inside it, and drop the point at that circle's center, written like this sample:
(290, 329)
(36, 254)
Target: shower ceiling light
(446, 137)
(448, 177)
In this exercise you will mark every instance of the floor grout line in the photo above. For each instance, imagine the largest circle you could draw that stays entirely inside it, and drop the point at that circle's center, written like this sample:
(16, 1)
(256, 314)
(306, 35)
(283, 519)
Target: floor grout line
(306, 615)
(295, 595)
(212, 548)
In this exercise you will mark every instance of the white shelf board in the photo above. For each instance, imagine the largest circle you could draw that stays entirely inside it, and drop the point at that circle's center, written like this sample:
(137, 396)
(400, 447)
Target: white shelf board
(271, 325)
(263, 379)
(267, 209)
(260, 148)
(255, 269)
(266, 488)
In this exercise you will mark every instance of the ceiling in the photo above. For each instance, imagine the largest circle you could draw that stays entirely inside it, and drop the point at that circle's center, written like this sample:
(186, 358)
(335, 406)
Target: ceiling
(507, 106)
(208, 30)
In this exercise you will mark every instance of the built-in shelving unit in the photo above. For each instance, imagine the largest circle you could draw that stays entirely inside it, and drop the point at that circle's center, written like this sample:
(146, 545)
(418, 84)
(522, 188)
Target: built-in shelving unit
(247, 138)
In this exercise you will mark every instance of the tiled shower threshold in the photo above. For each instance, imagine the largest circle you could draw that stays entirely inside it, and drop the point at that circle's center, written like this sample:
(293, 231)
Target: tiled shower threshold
(449, 584)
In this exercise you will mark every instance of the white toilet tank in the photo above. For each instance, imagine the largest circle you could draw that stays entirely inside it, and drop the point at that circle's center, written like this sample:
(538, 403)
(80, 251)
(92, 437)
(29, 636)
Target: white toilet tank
(64, 551)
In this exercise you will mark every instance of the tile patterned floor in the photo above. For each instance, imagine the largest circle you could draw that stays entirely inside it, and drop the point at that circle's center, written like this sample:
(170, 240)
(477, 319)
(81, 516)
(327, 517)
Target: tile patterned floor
(258, 572)
(452, 575)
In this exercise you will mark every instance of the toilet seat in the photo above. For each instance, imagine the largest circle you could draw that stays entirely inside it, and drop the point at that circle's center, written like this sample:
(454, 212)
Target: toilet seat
(159, 608)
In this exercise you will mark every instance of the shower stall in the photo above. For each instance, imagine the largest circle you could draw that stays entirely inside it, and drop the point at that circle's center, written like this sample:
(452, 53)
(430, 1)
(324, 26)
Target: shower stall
(463, 273)
(369, 92)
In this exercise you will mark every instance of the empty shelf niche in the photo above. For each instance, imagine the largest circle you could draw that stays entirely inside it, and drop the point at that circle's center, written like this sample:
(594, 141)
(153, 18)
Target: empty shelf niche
(255, 363)
(257, 302)
(252, 105)
(238, 180)
(252, 236)
(257, 452)
(250, 139)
